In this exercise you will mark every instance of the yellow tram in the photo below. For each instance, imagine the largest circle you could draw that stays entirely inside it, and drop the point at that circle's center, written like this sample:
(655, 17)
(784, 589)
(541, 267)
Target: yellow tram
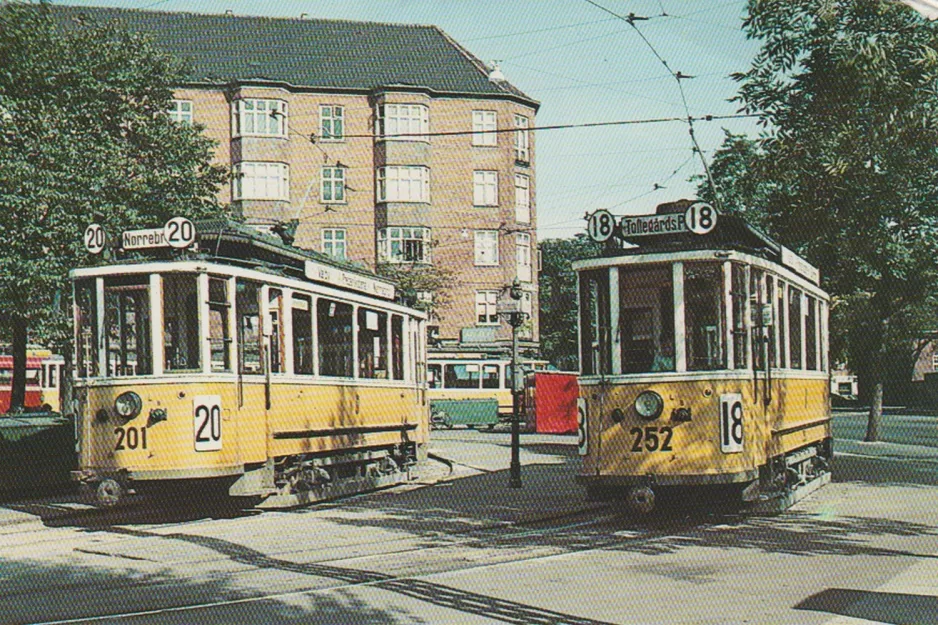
(238, 360)
(703, 357)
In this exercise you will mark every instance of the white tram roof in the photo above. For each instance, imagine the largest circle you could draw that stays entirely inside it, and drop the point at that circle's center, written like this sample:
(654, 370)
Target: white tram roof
(243, 250)
(731, 238)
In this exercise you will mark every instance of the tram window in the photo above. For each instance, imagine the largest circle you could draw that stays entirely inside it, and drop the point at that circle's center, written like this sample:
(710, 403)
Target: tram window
(703, 310)
(334, 328)
(757, 307)
(249, 331)
(739, 295)
(219, 332)
(794, 331)
(397, 347)
(275, 313)
(811, 335)
(86, 351)
(646, 319)
(372, 344)
(508, 376)
(822, 313)
(181, 322)
(462, 376)
(434, 376)
(782, 324)
(302, 335)
(595, 355)
(127, 328)
(490, 376)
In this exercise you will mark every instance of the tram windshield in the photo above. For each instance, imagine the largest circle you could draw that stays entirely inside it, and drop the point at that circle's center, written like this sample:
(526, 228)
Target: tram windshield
(697, 316)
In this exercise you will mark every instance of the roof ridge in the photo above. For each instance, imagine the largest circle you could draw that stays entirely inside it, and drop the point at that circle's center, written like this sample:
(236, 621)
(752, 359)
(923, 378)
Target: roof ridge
(242, 16)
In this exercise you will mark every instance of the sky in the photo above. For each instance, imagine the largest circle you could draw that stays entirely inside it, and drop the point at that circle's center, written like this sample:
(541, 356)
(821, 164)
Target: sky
(584, 65)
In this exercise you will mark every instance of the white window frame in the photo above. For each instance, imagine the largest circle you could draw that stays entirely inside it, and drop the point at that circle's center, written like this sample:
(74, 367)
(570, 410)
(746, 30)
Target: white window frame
(258, 180)
(487, 307)
(484, 128)
(403, 122)
(523, 256)
(333, 240)
(331, 115)
(387, 237)
(403, 183)
(484, 188)
(522, 198)
(248, 112)
(486, 248)
(522, 139)
(332, 179)
(181, 111)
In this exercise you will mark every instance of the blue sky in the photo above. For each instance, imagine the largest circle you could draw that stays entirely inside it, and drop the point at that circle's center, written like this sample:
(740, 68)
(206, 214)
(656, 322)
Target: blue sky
(584, 65)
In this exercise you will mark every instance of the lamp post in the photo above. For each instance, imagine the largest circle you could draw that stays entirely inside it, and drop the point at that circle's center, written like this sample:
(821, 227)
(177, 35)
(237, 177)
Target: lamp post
(515, 319)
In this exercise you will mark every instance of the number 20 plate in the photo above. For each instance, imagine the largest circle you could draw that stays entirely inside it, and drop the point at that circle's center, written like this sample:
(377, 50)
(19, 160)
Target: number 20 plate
(206, 412)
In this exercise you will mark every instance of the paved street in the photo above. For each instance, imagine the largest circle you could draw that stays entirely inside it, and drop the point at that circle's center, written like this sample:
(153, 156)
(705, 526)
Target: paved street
(462, 547)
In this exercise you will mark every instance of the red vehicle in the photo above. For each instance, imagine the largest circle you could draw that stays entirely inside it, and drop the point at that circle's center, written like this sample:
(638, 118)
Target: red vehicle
(43, 376)
(551, 402)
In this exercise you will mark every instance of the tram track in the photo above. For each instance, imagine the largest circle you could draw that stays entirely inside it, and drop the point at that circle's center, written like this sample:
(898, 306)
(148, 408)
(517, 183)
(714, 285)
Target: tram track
(576, 535)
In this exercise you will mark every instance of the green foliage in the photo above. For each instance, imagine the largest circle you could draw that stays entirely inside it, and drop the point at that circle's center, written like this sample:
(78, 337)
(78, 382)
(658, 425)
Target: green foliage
(84, 137)
(413, 280)
(558, 298)
(846, 171)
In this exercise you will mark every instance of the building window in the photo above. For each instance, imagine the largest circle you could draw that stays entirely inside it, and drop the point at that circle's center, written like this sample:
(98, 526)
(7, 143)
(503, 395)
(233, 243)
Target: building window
(403, 184)
(484, 125)
(934, 360)
(332, 189)
(486, 248)
(522, 199)
(522, 140)
(261, 181)
(334, 243)
(331, 123)
(180, 111)
(523, 255)
(486, 308)
(404, 245)
(403, 122)
(263, 118)
(485, 188)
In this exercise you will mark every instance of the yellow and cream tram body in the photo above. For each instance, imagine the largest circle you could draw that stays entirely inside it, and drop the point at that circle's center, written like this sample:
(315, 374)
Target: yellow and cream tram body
(469, 389)
(703, 357)
(244, 362)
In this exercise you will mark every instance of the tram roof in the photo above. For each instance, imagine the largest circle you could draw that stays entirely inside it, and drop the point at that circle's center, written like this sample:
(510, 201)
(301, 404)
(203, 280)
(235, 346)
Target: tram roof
(731, 233)
(233, 243)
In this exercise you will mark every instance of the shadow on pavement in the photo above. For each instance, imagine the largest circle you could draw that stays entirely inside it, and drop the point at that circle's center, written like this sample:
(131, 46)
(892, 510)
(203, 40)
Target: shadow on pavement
(882, 607)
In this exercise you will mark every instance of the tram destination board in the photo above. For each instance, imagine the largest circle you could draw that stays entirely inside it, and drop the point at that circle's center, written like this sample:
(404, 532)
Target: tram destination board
(699, 218)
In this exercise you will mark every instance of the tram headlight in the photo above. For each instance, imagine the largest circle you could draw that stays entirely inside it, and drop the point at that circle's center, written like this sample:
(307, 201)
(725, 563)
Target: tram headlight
(128, 405)
(649, 405)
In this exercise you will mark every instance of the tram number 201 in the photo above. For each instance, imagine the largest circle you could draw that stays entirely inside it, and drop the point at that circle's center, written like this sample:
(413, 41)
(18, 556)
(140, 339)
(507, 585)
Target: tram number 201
(651, 438)
(130, 438)
(206, 410)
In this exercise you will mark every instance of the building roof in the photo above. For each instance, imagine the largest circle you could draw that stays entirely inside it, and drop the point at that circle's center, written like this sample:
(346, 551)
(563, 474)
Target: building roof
(318, 54)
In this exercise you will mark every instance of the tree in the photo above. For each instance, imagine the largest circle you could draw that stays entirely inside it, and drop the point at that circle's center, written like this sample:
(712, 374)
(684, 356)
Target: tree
(425, 287)
(846, 171)
(84, 137)
(558, 298)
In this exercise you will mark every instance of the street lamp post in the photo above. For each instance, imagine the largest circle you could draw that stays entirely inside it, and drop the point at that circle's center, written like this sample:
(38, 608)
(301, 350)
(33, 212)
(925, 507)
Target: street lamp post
(515, 319)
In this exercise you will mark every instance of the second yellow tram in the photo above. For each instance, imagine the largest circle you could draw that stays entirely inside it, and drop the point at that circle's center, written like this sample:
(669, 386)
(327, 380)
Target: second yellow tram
(703, 361)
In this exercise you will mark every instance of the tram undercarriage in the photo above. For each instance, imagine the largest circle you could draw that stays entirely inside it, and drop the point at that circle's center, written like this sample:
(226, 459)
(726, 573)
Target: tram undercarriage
(775, 487)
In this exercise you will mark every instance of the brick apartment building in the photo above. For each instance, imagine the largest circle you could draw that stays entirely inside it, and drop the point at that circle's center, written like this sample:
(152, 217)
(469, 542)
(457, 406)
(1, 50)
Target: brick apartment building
(383, 143)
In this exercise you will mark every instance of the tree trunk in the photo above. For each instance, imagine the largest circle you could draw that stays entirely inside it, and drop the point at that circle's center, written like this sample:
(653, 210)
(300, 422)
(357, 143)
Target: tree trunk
(876, 414)
(18, 389)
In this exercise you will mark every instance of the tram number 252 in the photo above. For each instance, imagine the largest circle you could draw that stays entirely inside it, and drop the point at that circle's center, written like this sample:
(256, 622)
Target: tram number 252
(731, 423)
(206, 411)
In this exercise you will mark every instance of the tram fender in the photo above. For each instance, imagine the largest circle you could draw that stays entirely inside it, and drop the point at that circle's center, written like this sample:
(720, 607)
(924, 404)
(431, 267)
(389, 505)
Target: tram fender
(258, 480)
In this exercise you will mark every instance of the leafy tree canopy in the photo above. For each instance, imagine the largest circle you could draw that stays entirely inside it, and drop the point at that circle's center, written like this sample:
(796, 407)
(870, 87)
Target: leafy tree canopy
(846, 171)
(84, 137)
(558, 297)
